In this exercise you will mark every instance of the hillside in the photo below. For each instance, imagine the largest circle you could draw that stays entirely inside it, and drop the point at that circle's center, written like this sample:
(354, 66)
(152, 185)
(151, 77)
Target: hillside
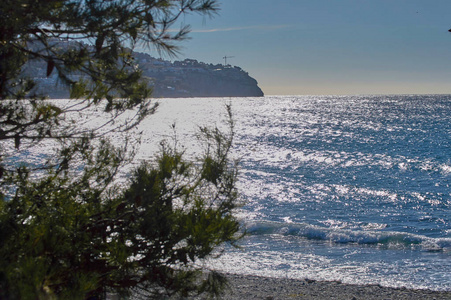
(188, 78)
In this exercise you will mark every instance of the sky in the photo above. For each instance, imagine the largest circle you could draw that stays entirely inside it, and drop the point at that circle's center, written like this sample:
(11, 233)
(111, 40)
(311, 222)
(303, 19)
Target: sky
(306, 47)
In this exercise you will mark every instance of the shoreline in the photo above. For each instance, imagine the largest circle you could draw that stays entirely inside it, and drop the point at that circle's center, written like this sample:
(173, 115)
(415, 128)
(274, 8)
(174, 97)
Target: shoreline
(242, 287)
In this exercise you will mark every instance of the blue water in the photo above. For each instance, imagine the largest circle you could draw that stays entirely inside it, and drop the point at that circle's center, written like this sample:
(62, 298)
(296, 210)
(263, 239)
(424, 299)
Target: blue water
(355, 163)
(350, 188)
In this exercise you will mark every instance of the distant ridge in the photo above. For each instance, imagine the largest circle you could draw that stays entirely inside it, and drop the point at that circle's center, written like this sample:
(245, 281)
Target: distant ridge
(190, 78)
(187, 78)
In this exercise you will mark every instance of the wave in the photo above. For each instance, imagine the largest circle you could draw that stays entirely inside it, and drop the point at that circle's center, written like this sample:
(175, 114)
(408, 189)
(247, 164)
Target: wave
(378, 238)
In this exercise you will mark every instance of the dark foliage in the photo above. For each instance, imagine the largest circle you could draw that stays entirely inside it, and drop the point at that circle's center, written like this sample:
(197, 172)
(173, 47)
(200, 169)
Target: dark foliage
(67, 229)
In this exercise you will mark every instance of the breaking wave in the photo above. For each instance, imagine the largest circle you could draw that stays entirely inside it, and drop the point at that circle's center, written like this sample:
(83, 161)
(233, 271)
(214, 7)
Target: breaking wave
(378, 238)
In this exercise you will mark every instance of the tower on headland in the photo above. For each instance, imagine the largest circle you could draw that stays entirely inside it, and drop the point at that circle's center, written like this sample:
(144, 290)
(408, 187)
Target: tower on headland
(225, 59)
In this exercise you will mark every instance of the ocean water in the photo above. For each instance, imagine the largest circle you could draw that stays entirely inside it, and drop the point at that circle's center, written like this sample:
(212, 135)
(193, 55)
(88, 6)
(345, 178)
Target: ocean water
(349, 188)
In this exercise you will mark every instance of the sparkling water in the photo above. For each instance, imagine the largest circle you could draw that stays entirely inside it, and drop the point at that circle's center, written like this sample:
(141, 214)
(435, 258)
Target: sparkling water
(349, 188)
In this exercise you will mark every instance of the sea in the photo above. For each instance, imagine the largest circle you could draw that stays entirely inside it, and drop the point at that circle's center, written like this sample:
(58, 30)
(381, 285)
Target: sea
(354, 189)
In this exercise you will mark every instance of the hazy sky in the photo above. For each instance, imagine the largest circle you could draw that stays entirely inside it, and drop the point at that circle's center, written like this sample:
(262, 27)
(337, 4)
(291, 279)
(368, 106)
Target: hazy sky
(331, 46)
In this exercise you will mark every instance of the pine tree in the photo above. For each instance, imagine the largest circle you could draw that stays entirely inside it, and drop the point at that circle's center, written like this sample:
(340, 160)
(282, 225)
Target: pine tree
(68, 230)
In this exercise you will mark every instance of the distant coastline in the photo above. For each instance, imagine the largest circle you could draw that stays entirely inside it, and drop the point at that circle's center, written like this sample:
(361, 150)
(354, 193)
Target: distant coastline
(179, 79)
(190, 78)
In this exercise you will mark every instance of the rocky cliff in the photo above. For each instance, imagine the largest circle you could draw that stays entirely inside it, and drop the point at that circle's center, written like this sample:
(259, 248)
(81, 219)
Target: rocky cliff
(190, 78)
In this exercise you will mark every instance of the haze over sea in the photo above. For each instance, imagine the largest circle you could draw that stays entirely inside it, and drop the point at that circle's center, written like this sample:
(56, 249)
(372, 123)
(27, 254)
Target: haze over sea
(350, 188)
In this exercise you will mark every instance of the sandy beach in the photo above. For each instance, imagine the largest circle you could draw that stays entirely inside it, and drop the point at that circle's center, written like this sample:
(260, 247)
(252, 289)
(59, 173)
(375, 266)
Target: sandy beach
(244, 287)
